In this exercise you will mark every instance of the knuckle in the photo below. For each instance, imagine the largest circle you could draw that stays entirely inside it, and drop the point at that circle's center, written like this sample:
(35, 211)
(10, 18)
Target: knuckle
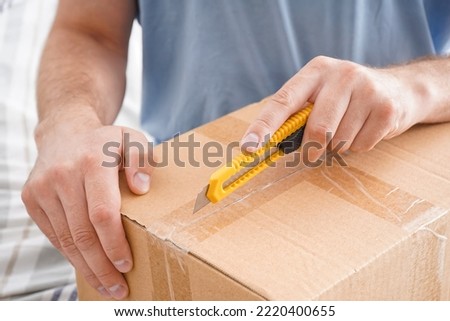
(350, 72)
(108, 275)
(26, 194)
(84, 239)
(90, 160)
(265, 123)
(67, 244)
(60, 176)
(101, 215)
(92, 279)
(318, 132)
(53, 239)
(387, 112)
(114, 251)
(321, 61)
(284, 97)
(370, 90)
(38, 184)
(58, 173)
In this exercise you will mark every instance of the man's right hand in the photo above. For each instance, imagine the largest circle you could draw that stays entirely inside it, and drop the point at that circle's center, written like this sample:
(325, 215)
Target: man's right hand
(75, 200)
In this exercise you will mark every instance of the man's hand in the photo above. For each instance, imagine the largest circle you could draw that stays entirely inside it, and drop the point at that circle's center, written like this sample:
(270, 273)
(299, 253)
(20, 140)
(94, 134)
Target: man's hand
(76, 201)
(355, 104)
(70, 195)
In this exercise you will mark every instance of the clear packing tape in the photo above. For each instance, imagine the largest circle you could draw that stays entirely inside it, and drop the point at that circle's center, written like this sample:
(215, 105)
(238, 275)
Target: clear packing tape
(375, 187)
(176, 233)
(356, 187)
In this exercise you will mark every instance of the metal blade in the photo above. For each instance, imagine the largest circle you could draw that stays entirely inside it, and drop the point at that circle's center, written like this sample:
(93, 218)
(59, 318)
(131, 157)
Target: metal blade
(201, 200)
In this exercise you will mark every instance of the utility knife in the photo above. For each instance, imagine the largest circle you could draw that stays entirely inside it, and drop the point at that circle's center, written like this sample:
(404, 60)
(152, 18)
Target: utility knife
(245, 166)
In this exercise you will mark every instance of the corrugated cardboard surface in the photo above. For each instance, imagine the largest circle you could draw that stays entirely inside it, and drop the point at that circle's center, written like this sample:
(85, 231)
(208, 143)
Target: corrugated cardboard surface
(376, 229)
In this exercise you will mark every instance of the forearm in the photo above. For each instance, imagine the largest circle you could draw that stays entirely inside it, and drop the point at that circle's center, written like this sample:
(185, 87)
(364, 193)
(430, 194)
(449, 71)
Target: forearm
(80, 77)
(428, 82)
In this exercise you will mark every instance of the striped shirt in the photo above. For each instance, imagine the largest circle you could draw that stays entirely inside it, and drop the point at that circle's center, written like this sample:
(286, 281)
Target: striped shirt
(30, 267)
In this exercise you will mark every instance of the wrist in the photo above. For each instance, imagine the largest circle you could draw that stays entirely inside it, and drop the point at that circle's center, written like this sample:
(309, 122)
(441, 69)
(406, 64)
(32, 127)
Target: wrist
(420, 90)
(409, 94)
(70, 120)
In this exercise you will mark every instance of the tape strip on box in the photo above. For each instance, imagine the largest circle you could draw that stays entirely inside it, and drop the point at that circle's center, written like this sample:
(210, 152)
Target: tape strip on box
(180, 230)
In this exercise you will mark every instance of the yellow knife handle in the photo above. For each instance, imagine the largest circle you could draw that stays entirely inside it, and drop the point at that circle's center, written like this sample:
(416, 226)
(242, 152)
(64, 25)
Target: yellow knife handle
(217, 190)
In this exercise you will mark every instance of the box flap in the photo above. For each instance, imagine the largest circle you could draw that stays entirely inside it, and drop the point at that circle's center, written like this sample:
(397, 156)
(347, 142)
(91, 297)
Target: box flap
(298, 233)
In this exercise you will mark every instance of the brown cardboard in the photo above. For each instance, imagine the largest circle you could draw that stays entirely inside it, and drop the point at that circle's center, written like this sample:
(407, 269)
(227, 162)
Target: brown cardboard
(375, 230)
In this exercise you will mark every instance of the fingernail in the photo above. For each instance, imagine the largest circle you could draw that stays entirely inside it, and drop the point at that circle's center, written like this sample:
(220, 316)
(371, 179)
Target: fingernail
(123, 266)
(118, 291)
(250, 143)
(103, 292)
(142, 182)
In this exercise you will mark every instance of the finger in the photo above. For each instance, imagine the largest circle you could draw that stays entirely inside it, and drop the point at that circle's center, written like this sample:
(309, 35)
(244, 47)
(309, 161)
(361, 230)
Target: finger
(350, 125)
(40, 217)
(278, 107)
(103, 205)
(137, 165)
(370, 134)
(53, 212)
(330, 106)
(85, 239)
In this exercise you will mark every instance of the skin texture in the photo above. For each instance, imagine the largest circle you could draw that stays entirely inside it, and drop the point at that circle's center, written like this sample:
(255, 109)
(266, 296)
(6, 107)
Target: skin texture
(356, 104)
(72, 198)
(76, 202)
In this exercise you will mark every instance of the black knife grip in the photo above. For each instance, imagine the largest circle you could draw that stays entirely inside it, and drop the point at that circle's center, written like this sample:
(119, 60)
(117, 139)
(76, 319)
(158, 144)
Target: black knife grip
(292, 142)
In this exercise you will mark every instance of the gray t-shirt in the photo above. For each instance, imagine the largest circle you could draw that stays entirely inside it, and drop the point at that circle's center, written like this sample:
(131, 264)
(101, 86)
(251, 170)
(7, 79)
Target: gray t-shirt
(205, 58)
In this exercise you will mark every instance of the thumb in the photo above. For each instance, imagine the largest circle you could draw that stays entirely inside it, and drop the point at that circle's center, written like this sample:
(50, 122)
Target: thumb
(137, 156)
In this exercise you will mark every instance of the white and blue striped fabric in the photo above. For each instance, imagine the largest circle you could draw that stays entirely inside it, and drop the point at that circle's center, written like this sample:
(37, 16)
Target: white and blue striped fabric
(30, 268)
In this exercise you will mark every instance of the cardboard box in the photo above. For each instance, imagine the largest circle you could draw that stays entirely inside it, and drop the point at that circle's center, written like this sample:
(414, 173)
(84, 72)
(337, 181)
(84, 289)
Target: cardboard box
(376, 229)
